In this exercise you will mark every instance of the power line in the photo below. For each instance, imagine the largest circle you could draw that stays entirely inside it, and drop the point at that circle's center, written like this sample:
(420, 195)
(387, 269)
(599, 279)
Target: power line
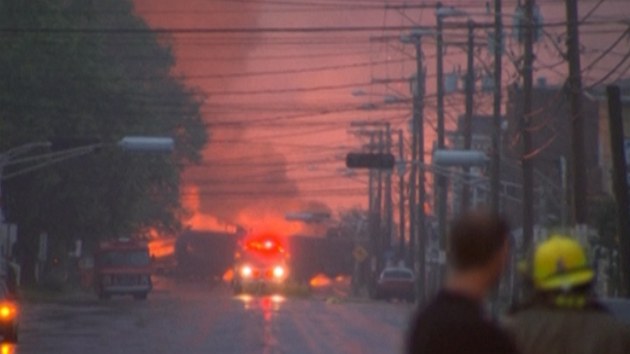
(288, 90)
(248, 57)
(292, 71)
(252, 30)
(611, 72)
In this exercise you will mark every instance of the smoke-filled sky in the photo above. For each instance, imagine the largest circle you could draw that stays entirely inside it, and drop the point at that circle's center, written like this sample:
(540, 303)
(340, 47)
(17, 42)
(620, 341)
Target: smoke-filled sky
(279, 104)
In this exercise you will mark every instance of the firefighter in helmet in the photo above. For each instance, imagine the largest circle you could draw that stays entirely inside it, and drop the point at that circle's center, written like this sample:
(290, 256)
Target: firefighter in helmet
(563, 315)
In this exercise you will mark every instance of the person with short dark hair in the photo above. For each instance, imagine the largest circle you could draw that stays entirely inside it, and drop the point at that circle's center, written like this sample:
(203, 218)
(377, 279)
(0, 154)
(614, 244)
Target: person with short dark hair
(454, 322)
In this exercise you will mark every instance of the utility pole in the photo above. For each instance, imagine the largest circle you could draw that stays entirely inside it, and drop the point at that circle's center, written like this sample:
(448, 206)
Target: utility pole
(440, 188)
(371, 177)
(620, 173)
(413, 218)
(389, 210)
(574, 86)
(379, 206)
(496, 108)
(470, 91)
(527, 161)
(440, 76)
(418, 116)
(372, 219)
(417, 231)
(401, 192)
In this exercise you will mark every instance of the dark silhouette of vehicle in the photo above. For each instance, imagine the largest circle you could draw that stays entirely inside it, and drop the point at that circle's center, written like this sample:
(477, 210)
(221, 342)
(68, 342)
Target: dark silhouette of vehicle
(205, 254)
(123, 267)
(396, 282)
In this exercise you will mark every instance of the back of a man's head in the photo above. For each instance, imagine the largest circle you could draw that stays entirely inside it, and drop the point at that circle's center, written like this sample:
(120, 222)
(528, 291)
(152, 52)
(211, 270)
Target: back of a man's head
(475, 239)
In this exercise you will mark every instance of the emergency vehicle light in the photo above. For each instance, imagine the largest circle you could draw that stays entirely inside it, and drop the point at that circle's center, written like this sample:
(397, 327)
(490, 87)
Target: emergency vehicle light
(278, 272)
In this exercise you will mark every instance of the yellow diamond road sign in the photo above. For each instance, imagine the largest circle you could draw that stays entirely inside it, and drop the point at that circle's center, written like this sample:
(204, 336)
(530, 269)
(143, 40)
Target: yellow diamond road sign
(359, 253)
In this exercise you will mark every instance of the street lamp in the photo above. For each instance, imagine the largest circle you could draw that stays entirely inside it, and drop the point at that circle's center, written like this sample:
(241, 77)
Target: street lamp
(147, 144)
(9, 157)
(127, 143)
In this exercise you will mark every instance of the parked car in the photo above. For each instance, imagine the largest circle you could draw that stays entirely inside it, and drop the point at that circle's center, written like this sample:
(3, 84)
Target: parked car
(396, 282)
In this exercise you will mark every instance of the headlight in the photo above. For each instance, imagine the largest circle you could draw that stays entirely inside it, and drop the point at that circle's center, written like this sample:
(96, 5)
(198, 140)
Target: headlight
(246, 271)
(7, 311)
(278, 272)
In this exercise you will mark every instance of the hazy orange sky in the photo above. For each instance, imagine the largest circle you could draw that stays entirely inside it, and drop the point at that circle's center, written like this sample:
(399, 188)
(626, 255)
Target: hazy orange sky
(274, 152)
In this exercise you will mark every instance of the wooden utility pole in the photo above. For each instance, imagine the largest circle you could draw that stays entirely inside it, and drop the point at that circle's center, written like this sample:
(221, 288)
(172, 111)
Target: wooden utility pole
(470, 91)
(527, 159)
(401, 196)
(413, 177)
(389, 210)
(416, 210)
(495, 179)
(574, 87)
(440, 188)
(379, 208)
(418, 114)
(620, 184)
(372, 220)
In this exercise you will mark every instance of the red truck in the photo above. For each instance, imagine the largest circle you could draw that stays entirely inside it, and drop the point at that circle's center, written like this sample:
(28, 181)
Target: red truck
(123, 267)
(260, 265)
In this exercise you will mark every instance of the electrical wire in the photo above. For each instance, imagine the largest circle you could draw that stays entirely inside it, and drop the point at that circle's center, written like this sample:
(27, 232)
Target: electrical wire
(610, 73)
(249, 30)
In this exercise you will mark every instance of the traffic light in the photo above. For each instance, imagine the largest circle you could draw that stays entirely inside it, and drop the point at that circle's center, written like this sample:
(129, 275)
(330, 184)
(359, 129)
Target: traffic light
(370, 161)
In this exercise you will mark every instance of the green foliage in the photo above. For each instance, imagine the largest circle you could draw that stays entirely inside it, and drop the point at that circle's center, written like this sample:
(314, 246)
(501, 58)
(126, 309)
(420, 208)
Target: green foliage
(98, 85)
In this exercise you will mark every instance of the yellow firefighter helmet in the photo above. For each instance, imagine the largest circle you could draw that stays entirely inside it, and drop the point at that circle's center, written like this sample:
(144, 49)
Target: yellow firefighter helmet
(560, 264)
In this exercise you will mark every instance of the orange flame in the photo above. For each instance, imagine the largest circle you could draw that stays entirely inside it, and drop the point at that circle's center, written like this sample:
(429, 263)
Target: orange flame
(228, 275)
(320, 281)
(162, 247)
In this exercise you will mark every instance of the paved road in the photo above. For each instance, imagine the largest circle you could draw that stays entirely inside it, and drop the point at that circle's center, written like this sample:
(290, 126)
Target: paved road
(191, 319)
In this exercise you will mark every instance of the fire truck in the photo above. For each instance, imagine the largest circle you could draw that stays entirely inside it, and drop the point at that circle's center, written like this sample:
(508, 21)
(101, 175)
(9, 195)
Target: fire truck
(260, 265)
(123, 267)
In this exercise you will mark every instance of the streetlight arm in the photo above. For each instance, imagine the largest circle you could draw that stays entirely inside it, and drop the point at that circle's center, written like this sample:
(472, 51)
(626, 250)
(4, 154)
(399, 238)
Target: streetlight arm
(129, 143)
(58, 158)
(19, 150)
(55, 154)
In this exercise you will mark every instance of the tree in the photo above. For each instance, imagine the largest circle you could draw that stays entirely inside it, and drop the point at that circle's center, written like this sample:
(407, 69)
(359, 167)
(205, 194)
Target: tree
(93, 84)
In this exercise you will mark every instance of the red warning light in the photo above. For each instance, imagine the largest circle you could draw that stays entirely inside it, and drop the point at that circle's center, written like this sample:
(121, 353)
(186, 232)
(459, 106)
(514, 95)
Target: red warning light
(267, 244)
